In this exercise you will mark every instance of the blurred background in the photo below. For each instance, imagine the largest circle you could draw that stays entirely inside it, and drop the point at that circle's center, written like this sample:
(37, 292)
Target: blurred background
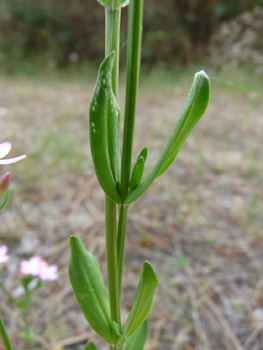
(200, 224)
(53, 34)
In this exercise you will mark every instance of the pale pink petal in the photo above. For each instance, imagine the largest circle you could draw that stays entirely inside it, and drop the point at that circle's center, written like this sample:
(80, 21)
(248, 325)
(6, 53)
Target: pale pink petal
(3, 259)
(5, 148)
(49, 273)
(12, 160)
(3, 250)
(3, 256)
(32, 266)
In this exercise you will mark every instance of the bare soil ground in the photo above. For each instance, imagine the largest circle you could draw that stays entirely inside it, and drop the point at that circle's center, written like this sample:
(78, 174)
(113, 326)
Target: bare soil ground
(200, 224)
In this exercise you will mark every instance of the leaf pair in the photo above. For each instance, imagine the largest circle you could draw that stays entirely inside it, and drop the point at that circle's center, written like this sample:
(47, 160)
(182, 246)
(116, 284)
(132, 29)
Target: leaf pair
(105, 126)
(90, 292)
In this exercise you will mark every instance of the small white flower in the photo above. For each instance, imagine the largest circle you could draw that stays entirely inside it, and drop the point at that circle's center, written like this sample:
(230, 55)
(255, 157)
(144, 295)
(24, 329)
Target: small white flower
(3, 256)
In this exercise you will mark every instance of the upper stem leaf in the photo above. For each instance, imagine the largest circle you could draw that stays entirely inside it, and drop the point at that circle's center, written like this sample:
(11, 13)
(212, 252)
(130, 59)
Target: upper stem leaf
(105, 126)
(193, 110)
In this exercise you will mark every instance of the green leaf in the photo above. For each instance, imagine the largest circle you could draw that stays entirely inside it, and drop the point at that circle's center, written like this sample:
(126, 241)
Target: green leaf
(116, 329)
(193, 110)
(105, 126)
(143, 299)
(137, 340)
(31, 283)
(91, 346)
(144, 153)
(137, 173)
(7, 195)
(138, 169)
(121, 341)
(87, 282)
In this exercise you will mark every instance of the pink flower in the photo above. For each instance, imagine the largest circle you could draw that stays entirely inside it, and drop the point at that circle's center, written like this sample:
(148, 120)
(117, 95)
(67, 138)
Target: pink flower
(5, 148)
(38, 267)
(3, 256)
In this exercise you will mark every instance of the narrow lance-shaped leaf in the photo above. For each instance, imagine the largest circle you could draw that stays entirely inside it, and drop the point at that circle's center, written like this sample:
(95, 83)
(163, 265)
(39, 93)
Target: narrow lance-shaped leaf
(193, 110)
(137, 340)
(136, 173)
(105, 125)
(142, 301)
(89, 289)
(138, 169)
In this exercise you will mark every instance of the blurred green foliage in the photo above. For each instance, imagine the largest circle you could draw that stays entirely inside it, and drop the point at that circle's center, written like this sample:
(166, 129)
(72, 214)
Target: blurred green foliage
(49, 31)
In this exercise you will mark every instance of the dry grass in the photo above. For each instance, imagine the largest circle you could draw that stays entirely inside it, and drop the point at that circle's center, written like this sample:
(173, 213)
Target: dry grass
(200, 224)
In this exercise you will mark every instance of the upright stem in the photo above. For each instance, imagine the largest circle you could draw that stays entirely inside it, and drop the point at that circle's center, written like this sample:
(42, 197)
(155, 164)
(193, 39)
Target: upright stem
(4, 335)
(112, 259)
(133, 67)
(112, 42)
(121, 238)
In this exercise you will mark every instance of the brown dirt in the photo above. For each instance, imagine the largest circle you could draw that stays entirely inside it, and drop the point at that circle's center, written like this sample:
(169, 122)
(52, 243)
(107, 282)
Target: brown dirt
(200, 224)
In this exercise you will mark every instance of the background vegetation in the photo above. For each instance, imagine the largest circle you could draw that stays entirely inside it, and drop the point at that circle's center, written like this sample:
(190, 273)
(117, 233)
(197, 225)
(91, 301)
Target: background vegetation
(57, 32)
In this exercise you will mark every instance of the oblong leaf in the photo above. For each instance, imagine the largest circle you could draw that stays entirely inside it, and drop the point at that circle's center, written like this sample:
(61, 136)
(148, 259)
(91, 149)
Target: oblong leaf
(87, 282)
(193, 110)
(142, 301)
(105, 126)
(137, 340)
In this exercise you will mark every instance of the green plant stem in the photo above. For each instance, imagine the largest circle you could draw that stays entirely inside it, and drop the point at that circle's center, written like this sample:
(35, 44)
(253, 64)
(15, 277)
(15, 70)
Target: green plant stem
(4, 335)
(112, 259)
(28, 340)
(9, 296)
(112, 42)
(133, 67)
(121, 238)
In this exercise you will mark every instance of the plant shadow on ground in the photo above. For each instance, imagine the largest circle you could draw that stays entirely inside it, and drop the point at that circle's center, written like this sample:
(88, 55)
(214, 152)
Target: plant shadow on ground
(200, 224)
